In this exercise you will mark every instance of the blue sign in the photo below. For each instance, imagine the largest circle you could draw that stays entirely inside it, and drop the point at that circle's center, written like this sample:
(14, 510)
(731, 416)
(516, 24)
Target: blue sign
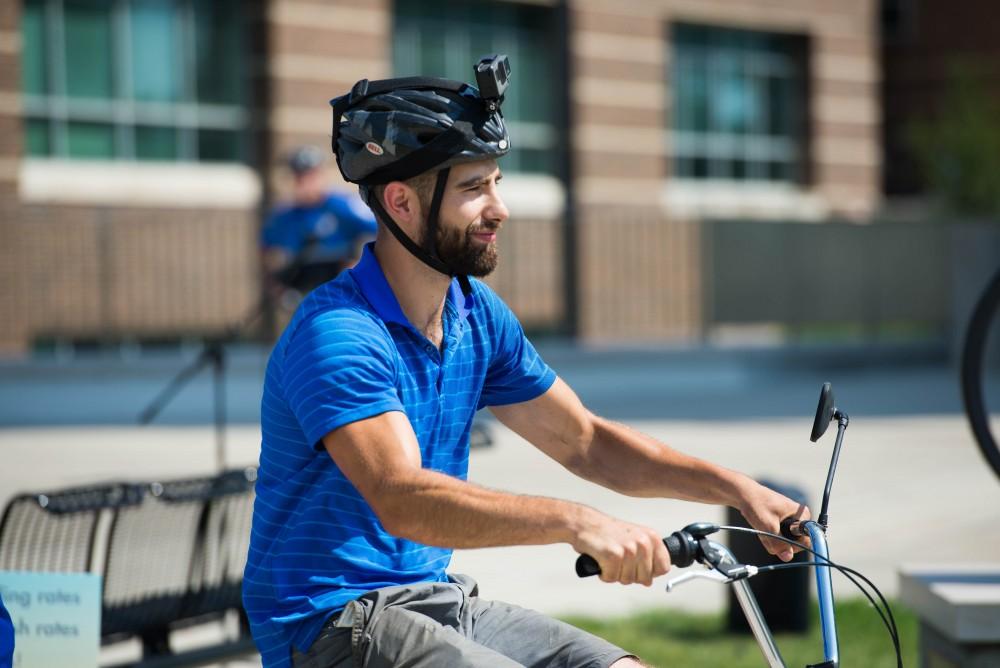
(56, 618)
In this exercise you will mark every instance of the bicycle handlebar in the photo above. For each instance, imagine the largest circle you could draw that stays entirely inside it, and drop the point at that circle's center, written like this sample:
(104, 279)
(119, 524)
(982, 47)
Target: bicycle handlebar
(792, 528)
(681, 545)
(684, 546)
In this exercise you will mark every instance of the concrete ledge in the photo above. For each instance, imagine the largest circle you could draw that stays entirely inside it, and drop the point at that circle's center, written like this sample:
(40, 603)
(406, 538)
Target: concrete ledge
(139, 184)
(962, 602)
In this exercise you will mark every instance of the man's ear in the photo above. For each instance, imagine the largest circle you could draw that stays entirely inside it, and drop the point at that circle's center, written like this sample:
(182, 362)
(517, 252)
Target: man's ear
(402, 203)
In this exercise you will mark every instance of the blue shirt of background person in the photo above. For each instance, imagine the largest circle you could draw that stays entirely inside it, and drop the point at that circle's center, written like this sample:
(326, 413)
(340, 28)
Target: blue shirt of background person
(333, 225)
(310, 239)
(350, 353)
(6, 638)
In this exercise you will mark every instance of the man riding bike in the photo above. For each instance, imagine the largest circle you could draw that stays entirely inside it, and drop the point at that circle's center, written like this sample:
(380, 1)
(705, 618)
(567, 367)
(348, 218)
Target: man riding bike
(368, 401)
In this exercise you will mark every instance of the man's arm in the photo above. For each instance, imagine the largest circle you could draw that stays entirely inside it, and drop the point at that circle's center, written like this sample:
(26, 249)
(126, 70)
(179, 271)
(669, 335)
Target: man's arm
(615, 456)
(381, 458)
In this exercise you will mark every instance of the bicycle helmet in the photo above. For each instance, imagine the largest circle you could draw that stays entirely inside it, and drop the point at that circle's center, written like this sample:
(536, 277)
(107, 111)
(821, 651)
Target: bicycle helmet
(396, 129)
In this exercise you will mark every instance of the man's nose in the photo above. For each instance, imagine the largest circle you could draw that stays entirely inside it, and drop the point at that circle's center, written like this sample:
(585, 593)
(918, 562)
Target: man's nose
(496, 208)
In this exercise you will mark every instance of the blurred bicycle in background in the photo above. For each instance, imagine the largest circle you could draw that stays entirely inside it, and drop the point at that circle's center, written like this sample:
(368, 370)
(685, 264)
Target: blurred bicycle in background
(980, 369)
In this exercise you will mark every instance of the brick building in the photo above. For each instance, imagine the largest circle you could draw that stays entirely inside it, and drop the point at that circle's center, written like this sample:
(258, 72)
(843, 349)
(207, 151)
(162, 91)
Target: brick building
(929, 46)
(141, 142)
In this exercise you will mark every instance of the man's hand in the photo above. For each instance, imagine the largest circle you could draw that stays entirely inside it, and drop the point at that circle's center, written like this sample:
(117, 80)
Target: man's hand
(627, 553)
(764, 509)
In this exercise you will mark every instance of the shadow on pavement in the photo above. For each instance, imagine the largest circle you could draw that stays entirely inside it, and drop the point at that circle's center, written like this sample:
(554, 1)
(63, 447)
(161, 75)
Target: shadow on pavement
(698, 383)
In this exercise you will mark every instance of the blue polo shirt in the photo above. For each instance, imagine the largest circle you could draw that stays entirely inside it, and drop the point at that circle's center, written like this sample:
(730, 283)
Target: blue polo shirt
(350, 353)
(6, 638)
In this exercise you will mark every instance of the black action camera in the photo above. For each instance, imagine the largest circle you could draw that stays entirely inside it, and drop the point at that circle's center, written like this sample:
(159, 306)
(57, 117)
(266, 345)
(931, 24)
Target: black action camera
(492, 76)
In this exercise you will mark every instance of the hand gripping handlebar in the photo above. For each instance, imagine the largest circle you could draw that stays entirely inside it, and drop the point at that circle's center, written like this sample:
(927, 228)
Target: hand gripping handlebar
(683, 547)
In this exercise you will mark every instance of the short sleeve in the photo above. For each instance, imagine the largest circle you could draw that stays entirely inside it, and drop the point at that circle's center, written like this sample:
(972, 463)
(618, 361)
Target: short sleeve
(339, 367)
(516, 371)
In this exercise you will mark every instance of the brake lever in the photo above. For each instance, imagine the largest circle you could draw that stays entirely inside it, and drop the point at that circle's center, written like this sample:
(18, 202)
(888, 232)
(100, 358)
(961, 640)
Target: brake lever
(707, 574)
(732, 575)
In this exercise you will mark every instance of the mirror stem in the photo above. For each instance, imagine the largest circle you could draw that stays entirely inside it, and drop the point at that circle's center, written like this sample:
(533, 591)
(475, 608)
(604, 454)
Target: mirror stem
(842, 422)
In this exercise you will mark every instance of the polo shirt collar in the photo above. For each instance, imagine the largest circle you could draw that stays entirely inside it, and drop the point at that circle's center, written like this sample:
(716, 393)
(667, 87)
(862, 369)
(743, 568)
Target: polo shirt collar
(370, 279)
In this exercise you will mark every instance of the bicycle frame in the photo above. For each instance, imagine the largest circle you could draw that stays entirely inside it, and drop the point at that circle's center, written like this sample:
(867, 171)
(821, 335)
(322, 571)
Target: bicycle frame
(755, 618)
(824, 593)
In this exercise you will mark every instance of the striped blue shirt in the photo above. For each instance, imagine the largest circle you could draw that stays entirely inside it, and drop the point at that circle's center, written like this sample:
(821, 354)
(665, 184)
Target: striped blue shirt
(350, 353)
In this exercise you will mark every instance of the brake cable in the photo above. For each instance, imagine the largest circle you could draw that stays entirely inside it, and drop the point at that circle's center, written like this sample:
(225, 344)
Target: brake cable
(889, 623)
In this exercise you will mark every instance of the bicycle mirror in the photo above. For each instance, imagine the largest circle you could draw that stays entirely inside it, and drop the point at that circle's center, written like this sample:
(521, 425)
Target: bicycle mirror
(824, 412)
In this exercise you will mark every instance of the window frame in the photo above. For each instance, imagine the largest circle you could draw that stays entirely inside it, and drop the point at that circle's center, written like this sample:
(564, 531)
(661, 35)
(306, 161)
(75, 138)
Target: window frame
(766, 157)
(125, 114)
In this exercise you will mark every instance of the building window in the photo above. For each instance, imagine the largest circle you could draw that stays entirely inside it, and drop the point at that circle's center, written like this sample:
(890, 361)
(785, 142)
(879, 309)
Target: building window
(739, 104)
(133, 79)
(447, 43)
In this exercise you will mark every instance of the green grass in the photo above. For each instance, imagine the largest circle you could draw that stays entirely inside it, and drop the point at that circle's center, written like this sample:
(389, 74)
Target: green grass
(670, 638)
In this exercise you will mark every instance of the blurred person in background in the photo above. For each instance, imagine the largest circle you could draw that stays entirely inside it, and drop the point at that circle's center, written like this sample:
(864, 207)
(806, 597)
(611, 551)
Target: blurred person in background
(316, 235)
(368, 401)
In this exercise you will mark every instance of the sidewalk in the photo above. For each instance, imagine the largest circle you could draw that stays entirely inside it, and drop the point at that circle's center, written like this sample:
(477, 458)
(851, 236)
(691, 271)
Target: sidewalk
(907, 489)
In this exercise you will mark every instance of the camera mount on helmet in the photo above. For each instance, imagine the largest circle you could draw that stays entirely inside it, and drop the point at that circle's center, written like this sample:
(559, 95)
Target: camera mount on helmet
(493, 77)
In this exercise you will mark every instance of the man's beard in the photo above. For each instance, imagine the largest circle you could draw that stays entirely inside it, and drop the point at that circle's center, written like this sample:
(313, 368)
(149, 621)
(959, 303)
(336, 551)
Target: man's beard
(464, 255)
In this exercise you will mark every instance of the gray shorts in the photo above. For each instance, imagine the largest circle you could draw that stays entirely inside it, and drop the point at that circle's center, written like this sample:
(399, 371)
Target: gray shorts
(439, 624)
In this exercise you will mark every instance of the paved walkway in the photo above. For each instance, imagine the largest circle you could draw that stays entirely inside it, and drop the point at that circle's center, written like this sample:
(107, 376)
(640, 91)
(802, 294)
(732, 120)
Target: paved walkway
(909, 489)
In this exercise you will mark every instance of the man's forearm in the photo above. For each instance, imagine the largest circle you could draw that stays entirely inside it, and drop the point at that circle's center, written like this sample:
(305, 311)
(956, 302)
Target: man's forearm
(436, 509)
(632, 463)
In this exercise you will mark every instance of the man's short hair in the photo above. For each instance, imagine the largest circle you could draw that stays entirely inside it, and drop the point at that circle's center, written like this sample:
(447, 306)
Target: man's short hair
(423, 184)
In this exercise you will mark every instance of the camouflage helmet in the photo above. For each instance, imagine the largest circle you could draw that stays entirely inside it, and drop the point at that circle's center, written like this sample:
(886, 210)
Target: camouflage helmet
(395, 129)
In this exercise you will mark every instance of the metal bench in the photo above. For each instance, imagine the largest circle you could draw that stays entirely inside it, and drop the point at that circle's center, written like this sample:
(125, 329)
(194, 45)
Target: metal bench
(58, 531)
(171, 553)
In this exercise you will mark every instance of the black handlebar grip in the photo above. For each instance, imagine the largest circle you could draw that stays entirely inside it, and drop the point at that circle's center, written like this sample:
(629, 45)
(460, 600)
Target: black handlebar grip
(680, 547)
(586, 565)
(792, 528)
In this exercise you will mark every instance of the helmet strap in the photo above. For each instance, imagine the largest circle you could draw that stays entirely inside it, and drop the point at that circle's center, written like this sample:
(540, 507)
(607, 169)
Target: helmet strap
(434, 211)
(425, 255)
